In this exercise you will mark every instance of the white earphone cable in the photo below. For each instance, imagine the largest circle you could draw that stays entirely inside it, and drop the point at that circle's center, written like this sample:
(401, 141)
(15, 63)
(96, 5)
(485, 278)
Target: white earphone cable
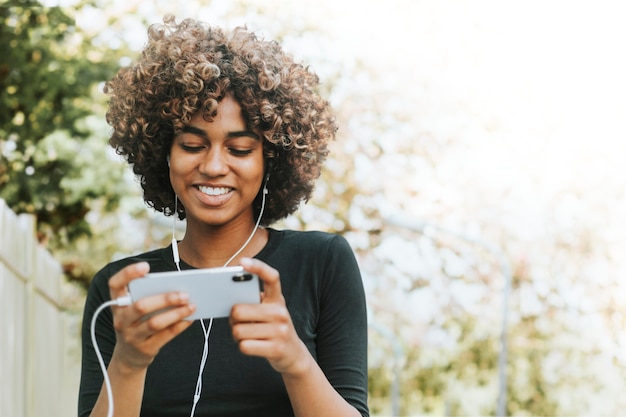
(174, 242)
(207, 331)
(205, 355)
(121, 301)
(256, 226)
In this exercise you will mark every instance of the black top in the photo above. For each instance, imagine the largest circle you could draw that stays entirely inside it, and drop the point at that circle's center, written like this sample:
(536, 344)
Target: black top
(324, 293)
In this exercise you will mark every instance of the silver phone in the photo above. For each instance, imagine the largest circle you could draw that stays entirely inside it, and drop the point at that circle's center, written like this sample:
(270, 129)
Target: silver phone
(212, 290)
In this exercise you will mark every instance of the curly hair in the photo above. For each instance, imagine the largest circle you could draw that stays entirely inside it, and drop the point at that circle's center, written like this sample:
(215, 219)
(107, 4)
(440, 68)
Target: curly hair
(189, 67)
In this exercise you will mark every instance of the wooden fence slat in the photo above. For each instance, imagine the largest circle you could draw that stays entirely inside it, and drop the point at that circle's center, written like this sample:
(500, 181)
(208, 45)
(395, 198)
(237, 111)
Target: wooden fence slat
(39, 342)
(12, 357)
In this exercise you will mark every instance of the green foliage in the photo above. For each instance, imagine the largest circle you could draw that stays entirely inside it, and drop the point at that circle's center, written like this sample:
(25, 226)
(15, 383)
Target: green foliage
(528, 390)
(54, 161)
(461, 379)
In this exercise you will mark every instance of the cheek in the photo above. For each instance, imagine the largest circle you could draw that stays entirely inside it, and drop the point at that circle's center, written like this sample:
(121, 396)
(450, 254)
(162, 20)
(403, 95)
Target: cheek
(255, 172)
(181, 164)
(174, 182)
(177, 170)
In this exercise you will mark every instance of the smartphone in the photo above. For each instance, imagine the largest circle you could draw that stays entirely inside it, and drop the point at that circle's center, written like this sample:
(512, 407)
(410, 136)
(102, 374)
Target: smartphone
(213, 290)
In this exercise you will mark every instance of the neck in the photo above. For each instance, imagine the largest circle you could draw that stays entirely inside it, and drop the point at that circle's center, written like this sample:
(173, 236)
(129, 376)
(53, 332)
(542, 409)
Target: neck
(208, 247)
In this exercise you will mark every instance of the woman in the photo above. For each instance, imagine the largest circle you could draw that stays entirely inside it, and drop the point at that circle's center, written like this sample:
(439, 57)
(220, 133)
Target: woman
(209, 120)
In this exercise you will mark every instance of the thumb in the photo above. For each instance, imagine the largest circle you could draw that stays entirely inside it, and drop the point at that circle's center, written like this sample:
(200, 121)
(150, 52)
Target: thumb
(119, 282)
(270, 277)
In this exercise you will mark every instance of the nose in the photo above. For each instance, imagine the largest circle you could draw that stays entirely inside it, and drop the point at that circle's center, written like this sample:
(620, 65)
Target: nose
(215, 163)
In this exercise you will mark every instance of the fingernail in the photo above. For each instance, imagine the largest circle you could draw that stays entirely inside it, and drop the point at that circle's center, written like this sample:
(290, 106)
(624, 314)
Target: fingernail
(246, 262)
(183, 297)
(142, 267)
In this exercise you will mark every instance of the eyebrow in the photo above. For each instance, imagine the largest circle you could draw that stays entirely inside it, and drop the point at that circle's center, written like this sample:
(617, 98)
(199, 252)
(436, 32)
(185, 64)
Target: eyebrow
(235, 134)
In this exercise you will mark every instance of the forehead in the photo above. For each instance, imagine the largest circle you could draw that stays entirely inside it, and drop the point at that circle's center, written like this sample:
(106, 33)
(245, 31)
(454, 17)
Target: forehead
(228, 111)
(227, 123)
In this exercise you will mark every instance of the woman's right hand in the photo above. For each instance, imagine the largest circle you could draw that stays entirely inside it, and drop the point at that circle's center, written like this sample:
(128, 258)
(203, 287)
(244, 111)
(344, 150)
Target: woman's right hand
(139, 339)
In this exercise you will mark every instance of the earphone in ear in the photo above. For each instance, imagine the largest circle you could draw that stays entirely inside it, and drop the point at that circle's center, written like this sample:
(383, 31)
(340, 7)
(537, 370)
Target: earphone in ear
(267, 178)
(168, 160)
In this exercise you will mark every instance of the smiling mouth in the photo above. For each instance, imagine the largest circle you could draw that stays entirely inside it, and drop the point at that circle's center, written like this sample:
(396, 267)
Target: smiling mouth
(214, 191)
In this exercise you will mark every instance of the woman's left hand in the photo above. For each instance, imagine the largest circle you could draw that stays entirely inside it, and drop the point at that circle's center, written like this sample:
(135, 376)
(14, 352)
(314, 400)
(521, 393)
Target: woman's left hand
(266, 329)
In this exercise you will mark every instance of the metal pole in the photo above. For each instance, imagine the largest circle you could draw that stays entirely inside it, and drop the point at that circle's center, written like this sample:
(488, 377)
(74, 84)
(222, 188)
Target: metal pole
(398, 354)
(402, 221)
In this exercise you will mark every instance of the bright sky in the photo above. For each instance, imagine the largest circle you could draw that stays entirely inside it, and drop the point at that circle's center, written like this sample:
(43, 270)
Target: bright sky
(558, 60)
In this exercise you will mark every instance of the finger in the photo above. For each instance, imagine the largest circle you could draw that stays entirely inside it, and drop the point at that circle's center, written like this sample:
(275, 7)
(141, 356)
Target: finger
(262, 348)
(119, 281)
(145, 324)
(260, 331)
(158, 340)
(166, 319)
(154, 303)
(149, 344)
(256, 313)
(271, 279)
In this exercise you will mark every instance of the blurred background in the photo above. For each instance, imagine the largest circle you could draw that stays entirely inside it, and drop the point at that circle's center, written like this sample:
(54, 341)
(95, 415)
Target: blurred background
(478, 174)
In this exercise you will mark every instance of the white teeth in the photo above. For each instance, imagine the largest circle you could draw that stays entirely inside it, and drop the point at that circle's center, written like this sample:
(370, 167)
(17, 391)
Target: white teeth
(214, 190)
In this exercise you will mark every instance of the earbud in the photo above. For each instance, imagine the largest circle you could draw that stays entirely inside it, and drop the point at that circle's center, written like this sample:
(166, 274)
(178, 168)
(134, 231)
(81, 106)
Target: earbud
(267, 178)
(168, 160)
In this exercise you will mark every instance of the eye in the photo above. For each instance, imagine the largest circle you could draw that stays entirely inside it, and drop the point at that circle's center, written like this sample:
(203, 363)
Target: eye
(190, 148)
(239, 152)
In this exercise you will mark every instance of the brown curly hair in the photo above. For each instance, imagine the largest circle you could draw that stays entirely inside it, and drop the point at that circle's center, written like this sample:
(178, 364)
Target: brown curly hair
(190, 66)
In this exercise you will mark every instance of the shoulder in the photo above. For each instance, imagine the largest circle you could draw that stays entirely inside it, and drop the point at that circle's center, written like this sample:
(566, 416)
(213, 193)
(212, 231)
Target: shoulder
(317, 248)
(308, 239)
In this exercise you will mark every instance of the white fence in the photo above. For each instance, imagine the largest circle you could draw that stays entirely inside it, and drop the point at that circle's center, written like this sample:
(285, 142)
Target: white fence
(39, 350)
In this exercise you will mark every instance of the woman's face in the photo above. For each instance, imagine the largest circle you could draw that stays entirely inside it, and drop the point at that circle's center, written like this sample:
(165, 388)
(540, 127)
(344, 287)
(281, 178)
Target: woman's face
(216, 168)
